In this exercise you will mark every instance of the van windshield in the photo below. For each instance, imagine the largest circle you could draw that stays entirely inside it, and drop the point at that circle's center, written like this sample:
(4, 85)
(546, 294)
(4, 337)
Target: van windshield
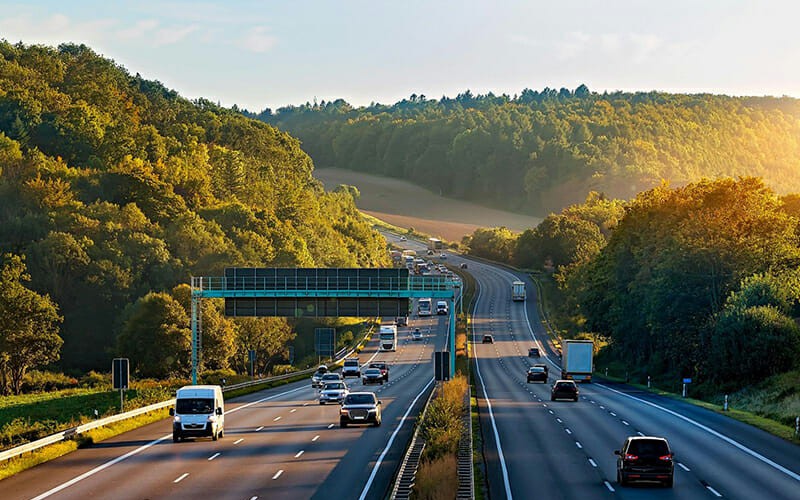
(194, 406)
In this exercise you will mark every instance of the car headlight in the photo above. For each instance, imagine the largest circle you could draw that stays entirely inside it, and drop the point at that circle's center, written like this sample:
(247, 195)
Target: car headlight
(212, 418)
(342, 411)
(176, 418)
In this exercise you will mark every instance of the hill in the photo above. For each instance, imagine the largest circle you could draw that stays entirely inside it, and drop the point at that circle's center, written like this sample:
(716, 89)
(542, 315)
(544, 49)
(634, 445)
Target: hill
(113, 186)
(538, 152)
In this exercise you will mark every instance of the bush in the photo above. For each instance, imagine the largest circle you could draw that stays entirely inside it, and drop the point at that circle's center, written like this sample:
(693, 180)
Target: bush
(96, 380)
(282, 369)
(442, 425)
(214, 377)
(39, 381)
(437, 479)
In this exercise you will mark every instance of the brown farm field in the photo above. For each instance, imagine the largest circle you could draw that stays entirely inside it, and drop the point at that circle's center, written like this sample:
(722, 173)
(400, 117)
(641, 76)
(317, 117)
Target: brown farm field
(403, 204)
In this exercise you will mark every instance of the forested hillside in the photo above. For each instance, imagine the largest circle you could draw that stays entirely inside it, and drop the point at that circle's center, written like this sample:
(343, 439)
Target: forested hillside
(113, 187)
(540, 151)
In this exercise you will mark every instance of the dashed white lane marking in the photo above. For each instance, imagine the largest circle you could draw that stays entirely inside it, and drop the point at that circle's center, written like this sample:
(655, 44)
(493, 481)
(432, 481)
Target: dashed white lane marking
(568, 431)
(299, 453)
(259, 428)
(715, 492)
(253, 498)
(293, 410)
(277, 474)
(578, 444)
(626, 423)
(594, 464)
(550, 411)
(315, 438)
(330, 426)
(276, 419)
(683, 467)
(305, 404)
(559, 420)
(181, 478)
(639, 433)
(212, 457)
(608, 485)
(238, 441)
(602, 407)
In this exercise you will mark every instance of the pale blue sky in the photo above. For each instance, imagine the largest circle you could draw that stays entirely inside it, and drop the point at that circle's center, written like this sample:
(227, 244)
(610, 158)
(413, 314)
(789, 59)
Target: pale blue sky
(271, 53)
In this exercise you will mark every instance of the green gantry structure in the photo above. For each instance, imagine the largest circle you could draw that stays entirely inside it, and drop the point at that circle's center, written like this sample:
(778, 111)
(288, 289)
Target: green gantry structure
(320, 292)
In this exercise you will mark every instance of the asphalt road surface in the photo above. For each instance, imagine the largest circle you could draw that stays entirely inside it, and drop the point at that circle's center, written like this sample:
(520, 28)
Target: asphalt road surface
(564, 449)
(278, 443)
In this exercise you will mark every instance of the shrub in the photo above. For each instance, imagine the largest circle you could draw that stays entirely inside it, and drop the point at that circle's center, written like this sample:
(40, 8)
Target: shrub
(96, 380)
(282, 369)
(41, 381)
(214, 377)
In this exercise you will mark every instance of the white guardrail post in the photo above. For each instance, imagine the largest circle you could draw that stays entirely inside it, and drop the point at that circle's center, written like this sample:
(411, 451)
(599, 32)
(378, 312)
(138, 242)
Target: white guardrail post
(74, 431)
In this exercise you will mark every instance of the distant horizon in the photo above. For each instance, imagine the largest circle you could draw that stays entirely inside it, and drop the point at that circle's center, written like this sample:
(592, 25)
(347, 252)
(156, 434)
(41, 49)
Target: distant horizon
(260, 55)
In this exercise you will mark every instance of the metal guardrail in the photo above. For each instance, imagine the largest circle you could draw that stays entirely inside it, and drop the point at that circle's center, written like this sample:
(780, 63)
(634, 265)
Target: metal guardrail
(406, 475)
(80, 429)
(466, 478)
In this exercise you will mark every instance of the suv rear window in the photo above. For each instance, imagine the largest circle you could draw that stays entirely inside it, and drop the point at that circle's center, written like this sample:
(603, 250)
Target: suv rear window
(359, 399)
(351, 362)
(651, 447)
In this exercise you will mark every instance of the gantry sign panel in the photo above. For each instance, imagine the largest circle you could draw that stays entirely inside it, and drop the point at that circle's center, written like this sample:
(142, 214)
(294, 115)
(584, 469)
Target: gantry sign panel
(299, 292)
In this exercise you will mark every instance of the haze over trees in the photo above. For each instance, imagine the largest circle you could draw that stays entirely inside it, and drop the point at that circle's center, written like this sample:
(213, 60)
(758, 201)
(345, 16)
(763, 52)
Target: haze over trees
(115, 189)
(540, 151)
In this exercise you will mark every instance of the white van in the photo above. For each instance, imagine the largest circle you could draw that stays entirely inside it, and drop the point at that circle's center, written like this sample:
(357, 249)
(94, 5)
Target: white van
(199, 411)
(441, 307)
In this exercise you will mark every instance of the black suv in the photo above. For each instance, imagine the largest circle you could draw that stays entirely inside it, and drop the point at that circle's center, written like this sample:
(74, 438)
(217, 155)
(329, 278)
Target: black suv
(488, 339)
(645, 458)
(360, 408)
(537, 373)
(564, 389)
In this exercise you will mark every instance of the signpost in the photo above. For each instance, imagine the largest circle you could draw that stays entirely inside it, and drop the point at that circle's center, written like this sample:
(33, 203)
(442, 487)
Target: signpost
(441, 366)
(251, 355)
(685, 382)
(325, 342)
(120, 377)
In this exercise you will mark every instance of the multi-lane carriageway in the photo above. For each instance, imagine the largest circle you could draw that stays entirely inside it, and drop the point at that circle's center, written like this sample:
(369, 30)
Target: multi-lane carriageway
(279, 443)
(543, 449)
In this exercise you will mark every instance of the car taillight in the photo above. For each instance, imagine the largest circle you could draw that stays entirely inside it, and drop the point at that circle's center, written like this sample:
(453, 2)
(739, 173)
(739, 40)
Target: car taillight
(628, 456)
(666, 458)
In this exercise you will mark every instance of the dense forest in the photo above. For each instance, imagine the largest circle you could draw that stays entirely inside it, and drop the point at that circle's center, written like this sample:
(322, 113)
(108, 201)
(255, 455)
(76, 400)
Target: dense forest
(700, 281)
(114, 190)
(540, 151)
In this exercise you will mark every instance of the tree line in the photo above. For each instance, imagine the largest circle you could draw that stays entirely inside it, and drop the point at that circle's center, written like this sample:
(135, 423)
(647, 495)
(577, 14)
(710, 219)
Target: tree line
(114, 190)
(699, 281)
(540, 151)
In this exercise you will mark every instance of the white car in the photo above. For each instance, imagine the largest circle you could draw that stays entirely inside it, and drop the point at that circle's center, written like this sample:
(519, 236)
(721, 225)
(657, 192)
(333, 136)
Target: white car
(403, 238)
(416, 334)
(333, 392)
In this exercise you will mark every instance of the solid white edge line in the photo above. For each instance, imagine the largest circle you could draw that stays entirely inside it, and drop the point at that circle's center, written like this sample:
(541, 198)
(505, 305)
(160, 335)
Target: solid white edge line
(503, 467)
(711, 431)
(140, 449)
(391, 440)
(181, 477)
(100, 467)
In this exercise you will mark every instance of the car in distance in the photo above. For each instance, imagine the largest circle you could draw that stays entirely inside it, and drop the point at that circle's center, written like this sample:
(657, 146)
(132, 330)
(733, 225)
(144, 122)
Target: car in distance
(351, 367)
(372, 376)
(537, 373)
(645, 458)
(403, 238)
(441, 307)
(442, 256)
(564, 389)
(488, 339)
(463, 265)
(383, 367)
(360, 408)
(317, 376)
(533, 352)
(330, 377)
(333, 392)
(401, 321)
(416, 334)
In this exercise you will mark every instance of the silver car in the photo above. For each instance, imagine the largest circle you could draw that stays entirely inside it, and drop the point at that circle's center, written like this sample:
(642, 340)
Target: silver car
(333, 392)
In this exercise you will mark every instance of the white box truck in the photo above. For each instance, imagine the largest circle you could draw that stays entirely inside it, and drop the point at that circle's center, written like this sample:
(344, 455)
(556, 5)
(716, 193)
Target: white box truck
(199, 412)
(518, 291)
(576, 360)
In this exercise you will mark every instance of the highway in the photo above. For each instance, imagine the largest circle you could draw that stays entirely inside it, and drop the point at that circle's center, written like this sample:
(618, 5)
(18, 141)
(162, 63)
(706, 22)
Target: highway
(278, 443)
(535, 447)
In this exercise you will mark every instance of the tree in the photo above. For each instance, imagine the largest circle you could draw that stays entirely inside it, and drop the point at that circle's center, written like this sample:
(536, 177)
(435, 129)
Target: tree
(156, 337)
(267, 336)
(218, 332)
(28, 326)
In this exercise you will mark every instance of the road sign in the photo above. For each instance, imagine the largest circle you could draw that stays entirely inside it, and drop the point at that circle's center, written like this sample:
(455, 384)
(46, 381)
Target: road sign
(120, 373)
(687, 381)
(325, 342)
(441, 365)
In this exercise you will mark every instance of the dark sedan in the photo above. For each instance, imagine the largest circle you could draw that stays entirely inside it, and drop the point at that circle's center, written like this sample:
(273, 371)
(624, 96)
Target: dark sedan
(645, 458)
(537, 373)
(372, 376)
(564, 389)
(383, 367)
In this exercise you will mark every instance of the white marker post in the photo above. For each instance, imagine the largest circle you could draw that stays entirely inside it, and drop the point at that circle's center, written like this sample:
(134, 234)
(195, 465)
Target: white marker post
(725, 407)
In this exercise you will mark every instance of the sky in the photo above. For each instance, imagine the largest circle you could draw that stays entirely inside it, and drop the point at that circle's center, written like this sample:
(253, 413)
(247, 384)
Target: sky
(270, 53)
